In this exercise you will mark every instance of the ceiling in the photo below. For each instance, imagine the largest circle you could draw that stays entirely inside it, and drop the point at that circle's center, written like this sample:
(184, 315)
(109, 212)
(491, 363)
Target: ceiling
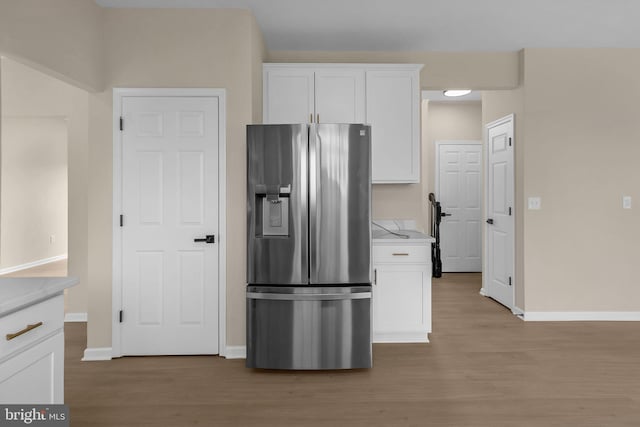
(431, 25)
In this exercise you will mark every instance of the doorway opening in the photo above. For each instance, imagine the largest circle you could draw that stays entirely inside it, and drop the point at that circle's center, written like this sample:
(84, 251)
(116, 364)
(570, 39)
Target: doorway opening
(455, 152)
(452, 151)
(33, 173)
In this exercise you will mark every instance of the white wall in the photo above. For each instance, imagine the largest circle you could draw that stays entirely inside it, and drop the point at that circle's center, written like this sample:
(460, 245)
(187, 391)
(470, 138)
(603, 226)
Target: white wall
(62, 38)
(582, 134)
(576, 146)
(442, 70)
(174, 48)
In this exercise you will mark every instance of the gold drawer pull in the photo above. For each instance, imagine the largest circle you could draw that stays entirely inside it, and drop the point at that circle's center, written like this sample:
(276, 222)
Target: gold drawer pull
(400, 254)
(24, 331)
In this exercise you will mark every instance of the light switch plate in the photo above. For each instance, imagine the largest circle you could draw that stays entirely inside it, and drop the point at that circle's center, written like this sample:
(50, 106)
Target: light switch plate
(535, 203)
(626, 202)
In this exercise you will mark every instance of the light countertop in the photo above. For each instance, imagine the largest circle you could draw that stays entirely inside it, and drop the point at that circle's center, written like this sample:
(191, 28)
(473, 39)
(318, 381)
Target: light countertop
(19, 292)
(415, 237)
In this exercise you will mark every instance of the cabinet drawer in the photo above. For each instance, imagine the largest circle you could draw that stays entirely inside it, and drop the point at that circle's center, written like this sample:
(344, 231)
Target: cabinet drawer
(50, 312)
(401, 254)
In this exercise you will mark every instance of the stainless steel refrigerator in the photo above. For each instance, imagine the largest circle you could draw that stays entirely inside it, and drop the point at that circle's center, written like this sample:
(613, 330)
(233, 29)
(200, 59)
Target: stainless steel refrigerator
(309, 246)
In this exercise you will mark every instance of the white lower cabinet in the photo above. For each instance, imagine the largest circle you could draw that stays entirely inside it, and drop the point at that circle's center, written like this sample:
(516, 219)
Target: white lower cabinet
(32, 364)
(401, 293)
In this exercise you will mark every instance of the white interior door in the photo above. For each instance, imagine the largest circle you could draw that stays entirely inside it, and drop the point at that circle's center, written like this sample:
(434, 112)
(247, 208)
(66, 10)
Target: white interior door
(500, 234)
(460, 193)
(169, 198)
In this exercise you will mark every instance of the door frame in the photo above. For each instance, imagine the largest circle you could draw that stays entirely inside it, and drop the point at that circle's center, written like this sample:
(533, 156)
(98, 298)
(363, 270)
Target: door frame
(485, 259)
(116, 298)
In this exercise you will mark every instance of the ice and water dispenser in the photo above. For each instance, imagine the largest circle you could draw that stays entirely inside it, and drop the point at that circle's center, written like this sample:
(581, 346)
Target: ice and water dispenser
(272, 201)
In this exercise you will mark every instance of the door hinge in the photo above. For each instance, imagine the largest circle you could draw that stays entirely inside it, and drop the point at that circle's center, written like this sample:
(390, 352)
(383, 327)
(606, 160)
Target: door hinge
(509, 210)
(120, 316)
(509, 137)
(510, 284)
(121, 220)
(122, 124)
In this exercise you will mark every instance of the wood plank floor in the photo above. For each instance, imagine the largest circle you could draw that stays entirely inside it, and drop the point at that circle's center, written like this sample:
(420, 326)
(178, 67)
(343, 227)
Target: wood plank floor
(483, 367)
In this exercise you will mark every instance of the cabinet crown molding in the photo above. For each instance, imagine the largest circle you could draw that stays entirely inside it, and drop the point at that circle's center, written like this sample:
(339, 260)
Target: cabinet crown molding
(361, 66)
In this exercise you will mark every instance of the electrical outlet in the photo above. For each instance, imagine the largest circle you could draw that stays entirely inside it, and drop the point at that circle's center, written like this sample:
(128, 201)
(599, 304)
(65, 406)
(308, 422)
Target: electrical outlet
(534, 203)
(626, 202)
(52, 239)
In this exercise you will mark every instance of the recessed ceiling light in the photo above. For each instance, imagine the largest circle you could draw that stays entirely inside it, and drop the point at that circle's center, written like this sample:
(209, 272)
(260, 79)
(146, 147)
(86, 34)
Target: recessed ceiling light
(457, 92)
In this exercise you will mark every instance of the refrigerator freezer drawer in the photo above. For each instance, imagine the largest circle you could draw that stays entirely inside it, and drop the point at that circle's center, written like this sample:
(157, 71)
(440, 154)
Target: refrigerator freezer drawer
(309, 327)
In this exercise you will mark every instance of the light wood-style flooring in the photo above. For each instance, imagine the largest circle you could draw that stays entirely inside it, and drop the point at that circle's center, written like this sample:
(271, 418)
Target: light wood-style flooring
(483, 367)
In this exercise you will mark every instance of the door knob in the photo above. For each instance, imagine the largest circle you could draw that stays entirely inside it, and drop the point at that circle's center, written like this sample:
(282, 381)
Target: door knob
(444, 214)
(210, 238)
(490, 221)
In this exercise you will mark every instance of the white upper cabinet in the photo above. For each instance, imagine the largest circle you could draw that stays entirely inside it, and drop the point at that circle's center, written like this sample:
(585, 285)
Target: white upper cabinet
(340, 96)
(288, 95)
(309, 95)
(393, 111)
(386, 96)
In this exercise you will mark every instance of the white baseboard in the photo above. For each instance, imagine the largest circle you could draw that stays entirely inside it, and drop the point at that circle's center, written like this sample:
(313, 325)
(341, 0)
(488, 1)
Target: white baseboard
(582, 316)
(482, 292)
(236, 352)
(400, 337)
(32, 264)
(98, 353)
(105, 353)
(75, 317)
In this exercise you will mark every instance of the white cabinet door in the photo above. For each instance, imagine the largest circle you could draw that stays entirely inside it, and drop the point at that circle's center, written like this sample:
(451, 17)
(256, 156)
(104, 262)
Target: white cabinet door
(393, 111)
(36, 375)
(401, 303)
(288, 95)
(339, 95)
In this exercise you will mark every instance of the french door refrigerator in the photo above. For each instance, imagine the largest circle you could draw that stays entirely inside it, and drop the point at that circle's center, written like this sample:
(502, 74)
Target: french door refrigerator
(309, 246)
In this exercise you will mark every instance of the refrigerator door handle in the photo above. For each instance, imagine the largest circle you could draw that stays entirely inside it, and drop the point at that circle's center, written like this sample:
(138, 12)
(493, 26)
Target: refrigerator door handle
(313, 164)
(307, 297)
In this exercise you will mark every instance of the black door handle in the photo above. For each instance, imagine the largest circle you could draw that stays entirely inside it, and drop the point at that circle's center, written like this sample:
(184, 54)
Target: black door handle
(444, 214)
(210, 238)
(490, 221)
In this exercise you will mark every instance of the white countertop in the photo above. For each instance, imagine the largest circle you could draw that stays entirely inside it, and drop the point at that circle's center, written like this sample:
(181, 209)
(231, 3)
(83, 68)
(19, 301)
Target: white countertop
(415, 237)
(19, 292)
